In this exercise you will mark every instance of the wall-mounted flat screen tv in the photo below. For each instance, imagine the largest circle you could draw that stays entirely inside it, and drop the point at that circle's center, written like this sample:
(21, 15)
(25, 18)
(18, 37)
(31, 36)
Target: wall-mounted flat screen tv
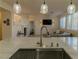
(47, 22)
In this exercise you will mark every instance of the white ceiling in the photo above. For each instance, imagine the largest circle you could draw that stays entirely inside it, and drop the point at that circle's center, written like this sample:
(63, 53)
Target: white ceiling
(33, 6)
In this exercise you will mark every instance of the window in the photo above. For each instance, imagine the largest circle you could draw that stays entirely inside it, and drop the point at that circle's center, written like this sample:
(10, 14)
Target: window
(69, 22)
(62, 22)
(75, 21)
(72, 21)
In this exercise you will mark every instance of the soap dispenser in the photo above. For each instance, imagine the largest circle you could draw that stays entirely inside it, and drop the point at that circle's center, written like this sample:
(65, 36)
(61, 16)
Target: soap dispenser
(51, 44)
(57, 44)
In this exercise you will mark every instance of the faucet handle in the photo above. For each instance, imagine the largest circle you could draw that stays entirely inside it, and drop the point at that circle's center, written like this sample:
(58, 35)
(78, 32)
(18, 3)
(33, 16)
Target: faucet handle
(51, 44)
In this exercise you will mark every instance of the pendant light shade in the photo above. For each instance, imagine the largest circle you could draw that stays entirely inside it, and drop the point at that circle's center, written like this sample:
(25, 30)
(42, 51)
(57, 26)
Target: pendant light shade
(44, 8)
(71, 8)
(17, 7)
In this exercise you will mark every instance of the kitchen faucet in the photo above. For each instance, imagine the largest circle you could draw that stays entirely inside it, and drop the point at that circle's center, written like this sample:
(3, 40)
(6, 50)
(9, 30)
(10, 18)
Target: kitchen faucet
(41, 42)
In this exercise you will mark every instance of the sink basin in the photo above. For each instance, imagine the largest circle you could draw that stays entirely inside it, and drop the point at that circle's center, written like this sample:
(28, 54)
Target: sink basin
(40, 53)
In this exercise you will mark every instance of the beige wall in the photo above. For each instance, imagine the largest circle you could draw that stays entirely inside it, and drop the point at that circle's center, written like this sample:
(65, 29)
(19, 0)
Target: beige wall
(6, 30)
(51, 28)
(24, 21)
(5, 13)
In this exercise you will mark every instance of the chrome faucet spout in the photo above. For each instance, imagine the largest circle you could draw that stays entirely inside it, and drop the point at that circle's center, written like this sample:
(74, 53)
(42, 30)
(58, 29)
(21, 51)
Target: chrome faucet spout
(41, 41)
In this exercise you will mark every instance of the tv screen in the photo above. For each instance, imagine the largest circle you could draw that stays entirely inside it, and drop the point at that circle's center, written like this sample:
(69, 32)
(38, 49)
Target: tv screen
(47, 22)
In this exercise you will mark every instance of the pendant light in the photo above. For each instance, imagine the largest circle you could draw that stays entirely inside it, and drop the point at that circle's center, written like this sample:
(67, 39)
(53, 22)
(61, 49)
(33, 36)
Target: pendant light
(17, 7)
(71, 8)
(44, 8)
